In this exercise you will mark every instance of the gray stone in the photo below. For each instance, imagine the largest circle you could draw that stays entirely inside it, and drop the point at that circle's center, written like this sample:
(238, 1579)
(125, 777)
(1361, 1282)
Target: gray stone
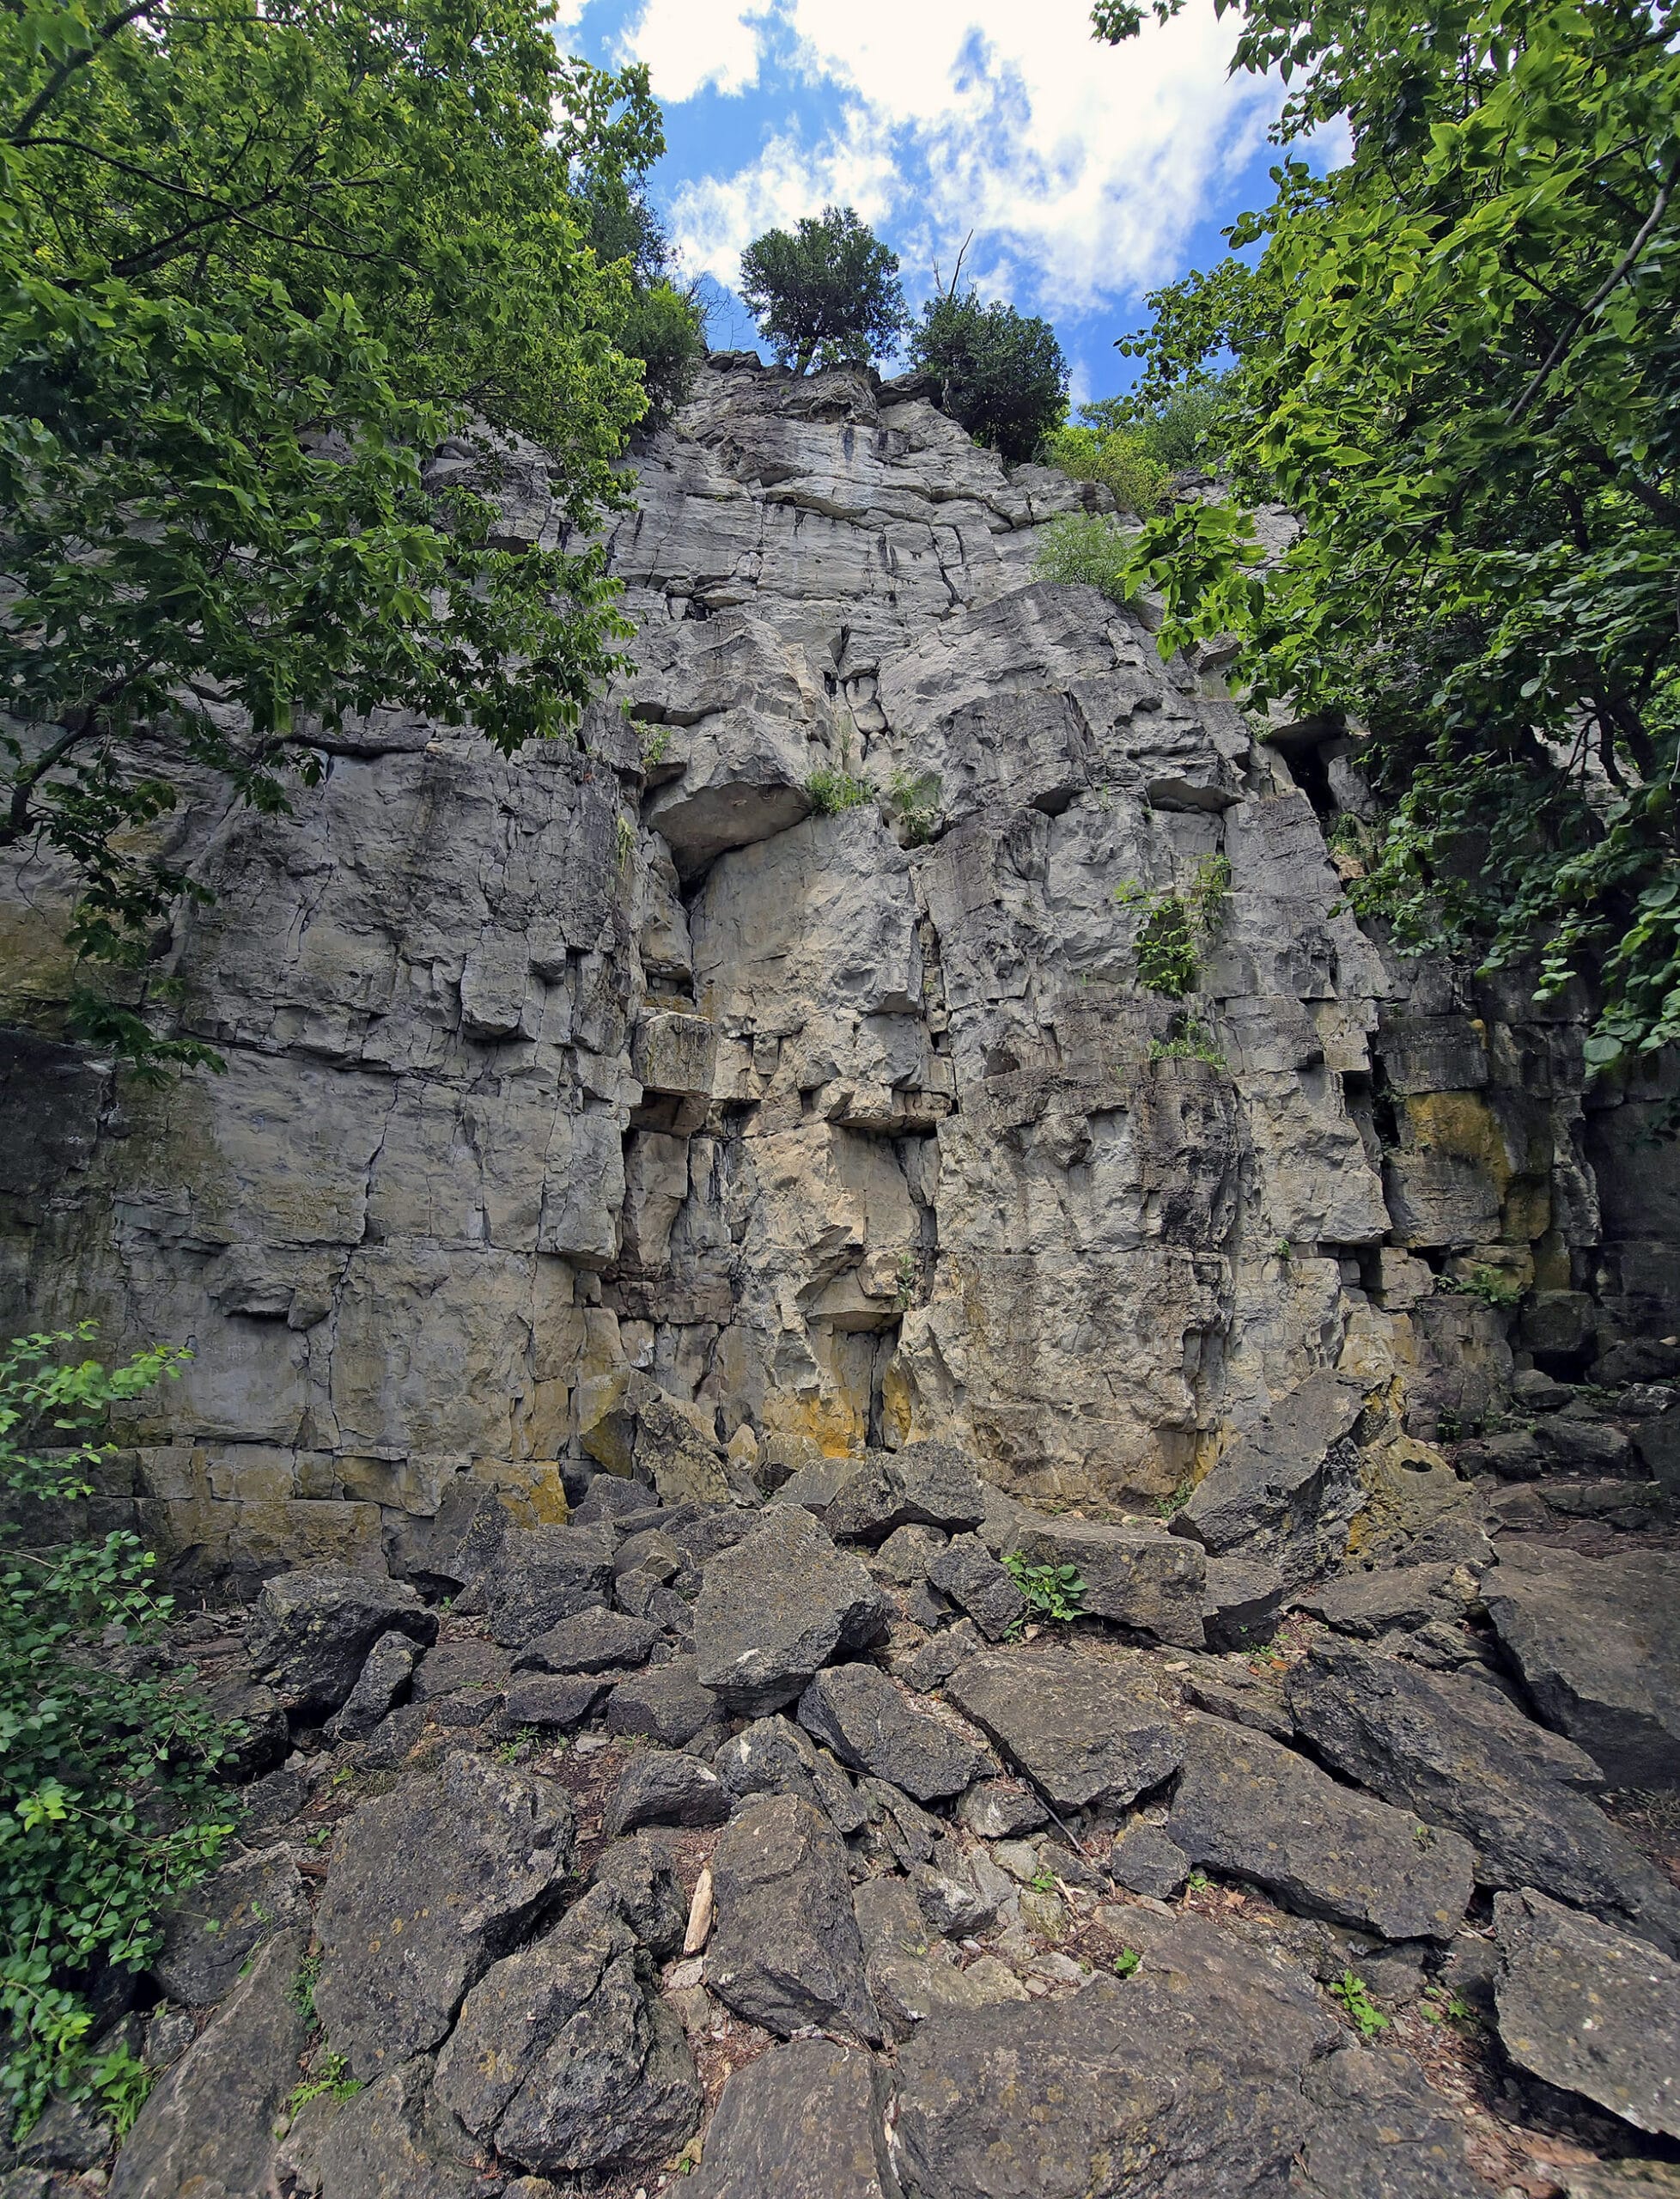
(858, 1712)
(1658, 1443)
(668, 1703)
(561, 1699)
(428, 1886)
(1574, 1445)
(1087, 1730)
(1240, 1599)
(609, 1497)
(660, 1787)
(310, 1632)
(538, 1576)
(907, 1553)
(377, 2144)
(457, 1667)
(595, 1641)
(773, 1610)
(932, 1662)
(927, 1486)
(68, 2134)
(644, 1890)
(958, 1894)
(1378, 2130)
(1248, 1808)
(805, 2121)
(393, 1740)
(1589, 2009)
(390, 1663)
(1144, 1861)
(1597, 1642)
(999, 1809)
(206, 2126)
(967, 1572)
(785, 1950)
(1368, 1604)
(1228, 1689)
(1286, 1492)
(1140, 1577)
(911, 1973)
(565, 2058)
(209, 1937)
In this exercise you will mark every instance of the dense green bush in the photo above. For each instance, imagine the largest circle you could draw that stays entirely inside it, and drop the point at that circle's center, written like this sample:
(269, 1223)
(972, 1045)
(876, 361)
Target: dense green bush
(827, 292)
(664, 325)
(1001, 373)
(1086, 547)
(1135, 449)
(108, 1800)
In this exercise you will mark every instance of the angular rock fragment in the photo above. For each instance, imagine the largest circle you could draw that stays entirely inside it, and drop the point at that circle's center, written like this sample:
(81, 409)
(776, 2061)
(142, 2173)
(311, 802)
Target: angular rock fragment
(1592, 2010)
(911, 1972)
(1240, 1599)
(428, 1886)
(1247, 1806)
(668, 1703)
(1145, 1861)
(310, 1632)
(636, 1877)
(1000, 1809)
(374, 2145)
(537, 1577)
(1375, 2129)
(383, 1677)
(595, 1641)
(805, 2121)
(209, 1937)
(1140, 1577)
(457, 1667)
(1367, 1605)
(660, 1787)
(773, 1610)
(1286, 1492)
(858, 1712)
(927, 1486)
(972, 1578)
(561, 1699)
(907, 1553)
(785, 1950)
(1086, 1730)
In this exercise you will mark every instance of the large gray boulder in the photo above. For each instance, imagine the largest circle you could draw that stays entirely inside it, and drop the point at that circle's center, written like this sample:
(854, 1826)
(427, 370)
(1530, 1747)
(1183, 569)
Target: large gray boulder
(926, 1485)
(1087, 1729)
(1367, 1605)
(1589, 2009)
(668, 1703)
(1377, 2129)
(1597, 1642)
(664, 1787)
(1140, 1577)
(785, 1950)
(595, 1641)
(387, 1672)
(774, 1609)
(563, 2057)
(310, 1632)
(427, 1886)
(208, 1936)
(379, 2143)
(1287, 1490)
(1461, 1755)
(538, 1577)
(805, 2121)
(207, 2126)
(1253, 1808)
(966, 1572)
(868, 1722)
(911, 1974)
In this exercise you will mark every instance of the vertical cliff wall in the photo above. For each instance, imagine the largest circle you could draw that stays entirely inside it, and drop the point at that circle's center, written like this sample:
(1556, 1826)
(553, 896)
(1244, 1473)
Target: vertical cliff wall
(620, 1063)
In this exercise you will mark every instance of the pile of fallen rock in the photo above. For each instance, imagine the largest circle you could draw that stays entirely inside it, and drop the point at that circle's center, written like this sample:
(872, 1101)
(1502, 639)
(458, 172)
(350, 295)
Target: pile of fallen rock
(788, 1850)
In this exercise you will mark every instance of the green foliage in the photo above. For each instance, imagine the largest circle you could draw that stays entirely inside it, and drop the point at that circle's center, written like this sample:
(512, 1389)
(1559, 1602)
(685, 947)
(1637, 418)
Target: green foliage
(834, 788)
(108, 1806)
(1486, 1283)
(1117, 460)
(913, 798)
(1175, 1501)
(1128, 1963)
(1043, 1880)
(255, 267)
(1367, 2018)
(1190, 1042)
(331, 2080)
(1053, 1591)
(1455, 360)
(1134, 448)
(1087, 548)
(664, 326)
(904, 1296)
(1441, 2006)
(1175, 927)
(826, 292)
(1001, 373)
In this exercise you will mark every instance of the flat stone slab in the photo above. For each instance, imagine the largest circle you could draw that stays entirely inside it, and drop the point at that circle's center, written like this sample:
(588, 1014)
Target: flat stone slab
(1248, 1807)
(1365, 1605)
(911, 1972)
(1141, 1577)
(1593, 2010)
(1087, 1729)
(785, 1950)
(1597, 1641)
(774, 1610)
(595, 1641)
(966, 1572)
(871, 1725)
(667, 1703)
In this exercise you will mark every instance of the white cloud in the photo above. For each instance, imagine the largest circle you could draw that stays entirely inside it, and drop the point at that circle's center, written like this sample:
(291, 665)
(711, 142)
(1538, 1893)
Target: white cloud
(1080, 167)
(689, 45)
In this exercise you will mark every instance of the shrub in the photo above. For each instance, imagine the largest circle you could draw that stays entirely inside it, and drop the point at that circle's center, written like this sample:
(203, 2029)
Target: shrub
(834, 788)
(108, 1806)
(1003, 374)
(1169, 945)
(665, 326)
(1053, 1591)
(1117, 459)
(1180, 431)
(913, 798)
(1084, 547)
(827, 292)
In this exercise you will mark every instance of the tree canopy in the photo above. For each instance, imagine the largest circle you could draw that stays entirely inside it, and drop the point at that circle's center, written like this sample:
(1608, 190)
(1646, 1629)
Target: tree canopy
(1003, 373)
(826, 293)
(1456, 358)
(254, 268)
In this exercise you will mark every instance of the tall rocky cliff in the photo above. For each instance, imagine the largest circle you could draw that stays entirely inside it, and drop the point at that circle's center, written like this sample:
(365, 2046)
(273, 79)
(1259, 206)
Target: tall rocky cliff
(604, 1104)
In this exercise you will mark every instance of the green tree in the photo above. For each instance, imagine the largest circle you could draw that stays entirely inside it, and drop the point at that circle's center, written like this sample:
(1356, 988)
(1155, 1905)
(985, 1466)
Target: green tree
(665, 326)
(1003, 374)
(826, 292)
(255, 267)
(109, 1805)
(1456, 359)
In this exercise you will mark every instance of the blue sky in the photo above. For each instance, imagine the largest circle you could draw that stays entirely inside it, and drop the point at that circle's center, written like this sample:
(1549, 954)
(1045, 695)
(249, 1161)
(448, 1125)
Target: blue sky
(1089, 174)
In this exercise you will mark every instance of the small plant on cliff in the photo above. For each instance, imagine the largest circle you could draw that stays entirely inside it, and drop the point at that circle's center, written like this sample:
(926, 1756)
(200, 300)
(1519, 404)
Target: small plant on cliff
(913, 798)
(1486, 1283)
(1176, 926)
(1053, 1591)
(1367, 2018)
(1087, 548)
(1190, 1042)
(108, 1804)
(834, 788)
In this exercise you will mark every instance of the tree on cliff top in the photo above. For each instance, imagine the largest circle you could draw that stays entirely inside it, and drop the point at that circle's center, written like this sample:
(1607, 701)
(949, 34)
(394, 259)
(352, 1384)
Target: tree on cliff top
(255, 265)
(828, 292)
(1001, 373)
(1456, 360)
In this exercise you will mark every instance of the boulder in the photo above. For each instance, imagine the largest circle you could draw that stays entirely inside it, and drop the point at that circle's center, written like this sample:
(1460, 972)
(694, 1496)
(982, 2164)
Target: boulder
(538, 1577)
(1589, 2009)
(1597, 1642)
(1140, 1577)
(595, 1641)
(859, 1713)
(1240, 1599)
(428, 1886)
(389, 1666)
(785, 1950)
(774, 1609)
(1286, 1490)
(976, 1582)
(907, 1553)
(1367, 1605)
(561, 1699)
(209, 1937)
(645, 1892)
(1143, 1859)
(468, 1667)
(207, 2125)
(376, 2144)
(1001, 1809)
(805, 2121)
(925, 1485)
(1377, 2129)
(565, 2058)
(668, 1703)
(911, 1974)
(310, 1633)
(1087, 1731)
(660, 1787)
(1247, 1806)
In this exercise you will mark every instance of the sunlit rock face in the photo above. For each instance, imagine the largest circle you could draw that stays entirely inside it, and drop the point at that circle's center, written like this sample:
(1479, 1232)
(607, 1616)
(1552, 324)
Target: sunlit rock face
(846, 1127)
